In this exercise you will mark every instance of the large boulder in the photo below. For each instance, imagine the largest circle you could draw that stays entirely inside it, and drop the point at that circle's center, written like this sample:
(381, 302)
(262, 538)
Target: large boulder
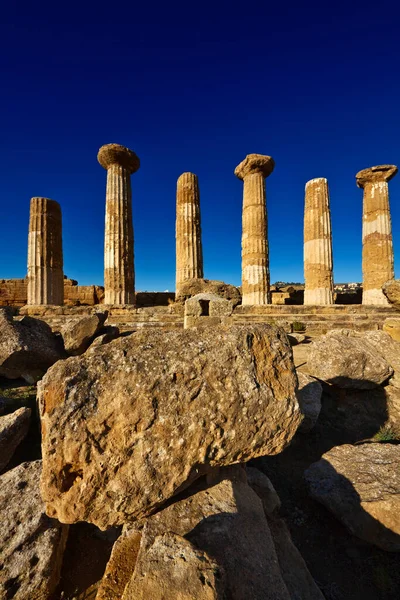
(13, 429)
(391, 289)
(78, 334)
(192, 287)
(347, 361)
(309, 396)
(27, 347)
(128, 425)
(360, 485)
(31, 544)
(174, 568)
(389, 349)
(227, 522)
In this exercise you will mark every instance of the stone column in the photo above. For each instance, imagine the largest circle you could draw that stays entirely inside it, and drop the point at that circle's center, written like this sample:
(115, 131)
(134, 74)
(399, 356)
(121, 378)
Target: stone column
(255, 256)
(189, 252)
(119, 274)
(45, 256)
(377, 257)
(318, 264)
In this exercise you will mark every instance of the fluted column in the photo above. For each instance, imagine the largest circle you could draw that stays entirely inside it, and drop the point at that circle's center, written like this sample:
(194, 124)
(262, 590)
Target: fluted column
(189, 252)
(318, 263)
(119, 273)
(45, 256)
(255, 256)
(377, 257)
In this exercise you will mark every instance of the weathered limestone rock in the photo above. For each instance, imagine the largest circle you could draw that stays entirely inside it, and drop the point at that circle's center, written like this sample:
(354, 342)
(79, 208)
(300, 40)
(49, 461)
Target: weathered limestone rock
(79, 334)
(174, 568)
(377, 232)
(119, 274)
(45, 256)
(255, 255)
(347, 361)
(31, 544)
(129, 425)
(192, 287)
(318, 263)
(13, 429)
(392, 327)
(27, 347)
(391, 290)
(309, 396)
(264, 489)
(298, 579)
(227, 522)
(189, 251)
(121, 565)
(361, 486)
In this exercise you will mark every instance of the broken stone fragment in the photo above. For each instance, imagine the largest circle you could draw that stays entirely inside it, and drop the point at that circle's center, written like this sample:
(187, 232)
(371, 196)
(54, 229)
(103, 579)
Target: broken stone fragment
(128, 425)
(13, 429)
(348, 360)
(78, 334)
(27, 347)
(360, 485)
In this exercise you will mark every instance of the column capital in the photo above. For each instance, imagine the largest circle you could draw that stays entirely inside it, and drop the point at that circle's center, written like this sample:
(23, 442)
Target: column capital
(255, 163)
(375, 174)
(115, 154)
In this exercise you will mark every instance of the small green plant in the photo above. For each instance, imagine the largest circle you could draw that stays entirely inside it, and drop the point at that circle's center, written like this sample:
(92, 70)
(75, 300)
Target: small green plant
(298, 327)
(387, 434)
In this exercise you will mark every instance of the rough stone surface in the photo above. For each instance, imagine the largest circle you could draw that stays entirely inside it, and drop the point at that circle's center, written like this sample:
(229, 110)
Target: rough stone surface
(193, 287)
(174, 568)
(347, 361)
(31, 544)
(392, 327)
(189, 251)
(79, 334)
(264, 489)
(377, 261)
(227, 521)
(119, 274)
(361, 486)
(45, 280)
(391, 290)
(107, 334)
(309, 396)
(13, 429)
(121, 565)
(27, 347)
(255, 253)
(298, 579)
(125, 427)
(318, 262)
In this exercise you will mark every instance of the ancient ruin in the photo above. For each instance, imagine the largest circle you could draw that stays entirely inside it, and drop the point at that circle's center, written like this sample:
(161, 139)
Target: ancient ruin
(119, 274)
(377, 257)
(189, 252)
(318, 264)
(45, 255)
(253, 171)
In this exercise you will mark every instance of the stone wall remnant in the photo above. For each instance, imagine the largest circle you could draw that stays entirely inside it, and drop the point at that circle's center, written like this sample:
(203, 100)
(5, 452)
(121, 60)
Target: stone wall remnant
(119, 274)
(189, 252)
(377, 258)
(318, 263)
(45, 256)
(255, 255)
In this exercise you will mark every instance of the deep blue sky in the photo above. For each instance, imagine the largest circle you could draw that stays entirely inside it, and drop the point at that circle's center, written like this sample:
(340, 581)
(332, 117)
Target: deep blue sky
(195, 86)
